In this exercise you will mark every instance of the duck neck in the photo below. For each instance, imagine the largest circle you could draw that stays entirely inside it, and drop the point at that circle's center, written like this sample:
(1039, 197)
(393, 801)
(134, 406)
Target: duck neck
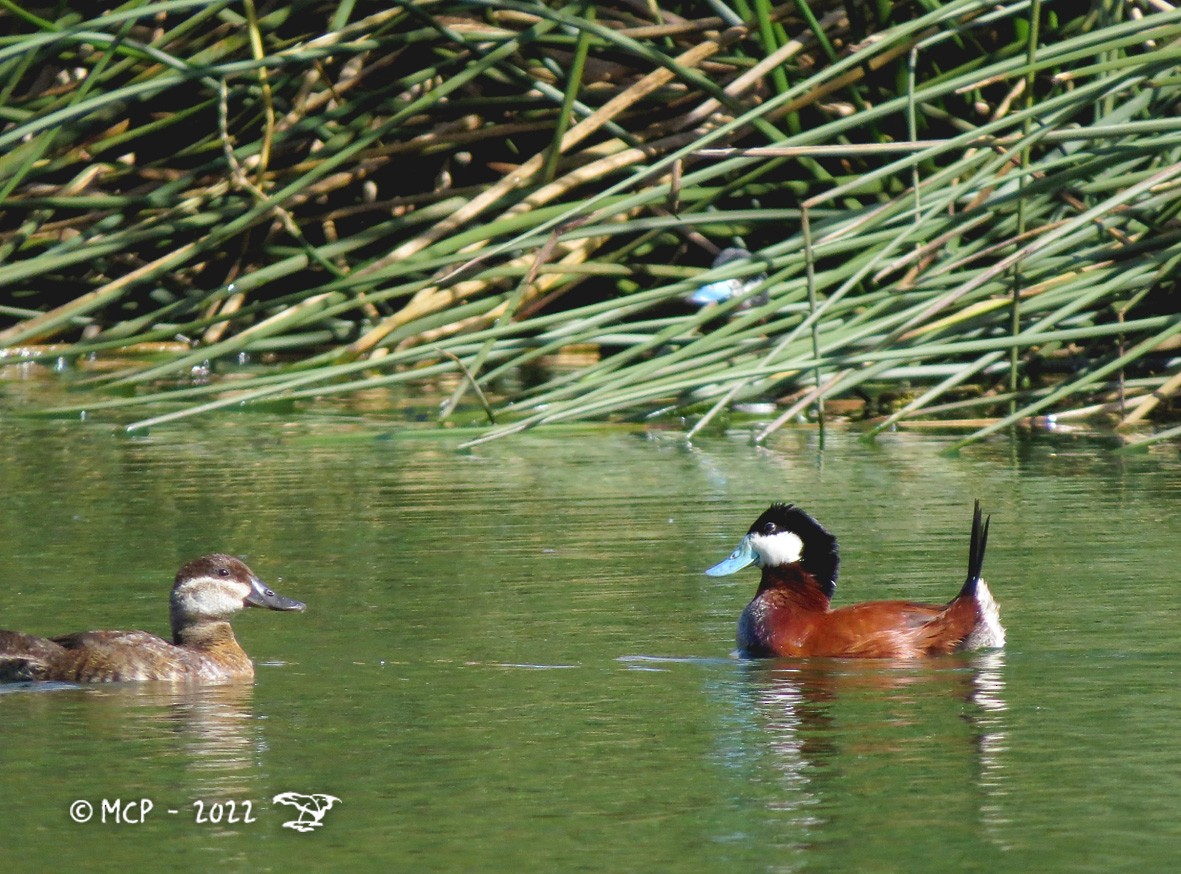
(205, 634)
(791, 585)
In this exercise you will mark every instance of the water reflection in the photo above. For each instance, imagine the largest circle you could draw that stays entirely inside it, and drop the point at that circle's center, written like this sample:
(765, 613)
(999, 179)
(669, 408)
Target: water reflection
(578, 551)
(210, 730)
(178, 746)
(216, 734)
(992, 740)
(826, 726)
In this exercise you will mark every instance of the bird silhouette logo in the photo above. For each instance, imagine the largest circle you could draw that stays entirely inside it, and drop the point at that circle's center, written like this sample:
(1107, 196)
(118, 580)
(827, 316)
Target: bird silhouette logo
(311, 809)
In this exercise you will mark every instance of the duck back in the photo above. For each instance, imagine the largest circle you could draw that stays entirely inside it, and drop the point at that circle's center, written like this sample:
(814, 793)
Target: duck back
(117, 656)
(27, 657)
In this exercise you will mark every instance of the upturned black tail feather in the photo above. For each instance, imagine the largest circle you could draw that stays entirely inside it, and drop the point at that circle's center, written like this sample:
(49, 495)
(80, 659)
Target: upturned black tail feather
(976, 552)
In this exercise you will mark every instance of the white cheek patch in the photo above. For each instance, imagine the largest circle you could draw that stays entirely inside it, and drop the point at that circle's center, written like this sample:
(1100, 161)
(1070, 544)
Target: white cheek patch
(210, 597)
(779, 549)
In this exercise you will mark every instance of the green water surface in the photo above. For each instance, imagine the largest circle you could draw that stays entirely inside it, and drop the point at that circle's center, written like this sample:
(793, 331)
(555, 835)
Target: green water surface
(512, 661)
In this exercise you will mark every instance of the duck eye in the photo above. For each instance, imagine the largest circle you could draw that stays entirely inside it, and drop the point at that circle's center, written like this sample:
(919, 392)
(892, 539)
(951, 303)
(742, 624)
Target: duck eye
(223, 571)
(769, 528)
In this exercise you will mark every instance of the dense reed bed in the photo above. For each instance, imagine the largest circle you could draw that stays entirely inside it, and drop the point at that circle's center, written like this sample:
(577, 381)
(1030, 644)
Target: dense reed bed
(968, 207)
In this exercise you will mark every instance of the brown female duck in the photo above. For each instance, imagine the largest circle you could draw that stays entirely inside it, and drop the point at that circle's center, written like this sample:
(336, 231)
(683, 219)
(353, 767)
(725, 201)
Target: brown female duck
(207, 592)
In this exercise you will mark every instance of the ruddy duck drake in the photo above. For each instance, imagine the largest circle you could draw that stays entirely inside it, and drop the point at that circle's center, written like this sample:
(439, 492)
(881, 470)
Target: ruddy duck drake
(207, 592)
(790, 614)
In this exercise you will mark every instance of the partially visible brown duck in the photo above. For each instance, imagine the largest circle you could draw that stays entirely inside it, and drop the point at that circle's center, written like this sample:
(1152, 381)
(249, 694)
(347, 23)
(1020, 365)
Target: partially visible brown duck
(207, 592)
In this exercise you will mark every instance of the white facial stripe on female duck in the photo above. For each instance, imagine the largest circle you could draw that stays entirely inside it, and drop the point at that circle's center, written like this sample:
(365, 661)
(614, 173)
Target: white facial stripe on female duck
(209, 597)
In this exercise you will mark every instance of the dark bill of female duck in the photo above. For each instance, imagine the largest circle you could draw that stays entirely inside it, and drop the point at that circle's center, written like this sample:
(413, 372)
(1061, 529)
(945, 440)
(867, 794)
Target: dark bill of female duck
(262, 595)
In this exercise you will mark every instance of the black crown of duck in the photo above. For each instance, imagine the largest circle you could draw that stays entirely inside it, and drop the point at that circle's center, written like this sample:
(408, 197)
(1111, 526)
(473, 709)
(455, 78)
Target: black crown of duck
(207, 592)
(791, 613)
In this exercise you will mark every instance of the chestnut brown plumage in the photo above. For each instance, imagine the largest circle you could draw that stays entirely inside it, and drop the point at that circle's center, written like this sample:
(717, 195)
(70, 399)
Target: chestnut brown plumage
(791, 613)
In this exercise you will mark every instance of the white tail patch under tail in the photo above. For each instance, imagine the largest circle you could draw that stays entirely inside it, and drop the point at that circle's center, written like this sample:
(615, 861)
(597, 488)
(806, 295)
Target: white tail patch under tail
(988, 633)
